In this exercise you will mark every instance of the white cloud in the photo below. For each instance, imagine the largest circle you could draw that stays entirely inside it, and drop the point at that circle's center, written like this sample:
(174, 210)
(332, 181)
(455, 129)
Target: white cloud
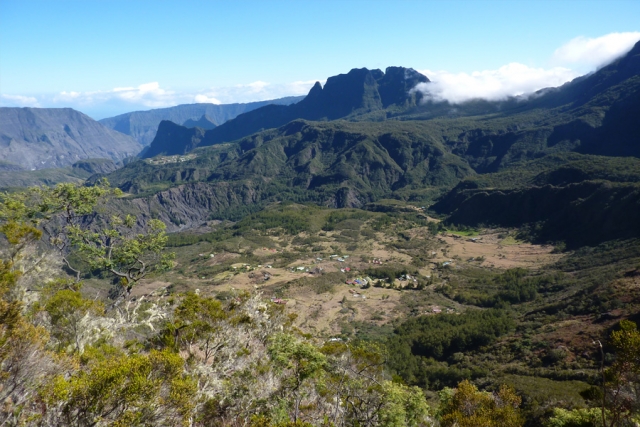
(595, 52)
(18, 101)
(255, 87)
(147, 95)
(257, 91)
(301, 87)
(152, 95)
(204, 99)
(508, 80)
(579, 56)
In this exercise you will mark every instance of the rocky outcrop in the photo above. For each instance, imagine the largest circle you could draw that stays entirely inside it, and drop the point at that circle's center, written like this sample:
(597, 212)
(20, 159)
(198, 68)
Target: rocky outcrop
(189, 205)
(41, 138)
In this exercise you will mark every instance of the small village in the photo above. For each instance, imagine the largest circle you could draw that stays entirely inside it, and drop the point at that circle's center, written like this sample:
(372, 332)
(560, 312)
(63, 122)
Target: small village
(165, 160)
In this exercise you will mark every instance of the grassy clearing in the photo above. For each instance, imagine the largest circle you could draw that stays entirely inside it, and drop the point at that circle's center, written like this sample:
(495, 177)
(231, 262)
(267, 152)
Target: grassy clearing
(464, 233)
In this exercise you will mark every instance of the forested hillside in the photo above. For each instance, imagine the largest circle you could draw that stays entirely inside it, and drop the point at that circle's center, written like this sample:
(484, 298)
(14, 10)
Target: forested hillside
(364, 257)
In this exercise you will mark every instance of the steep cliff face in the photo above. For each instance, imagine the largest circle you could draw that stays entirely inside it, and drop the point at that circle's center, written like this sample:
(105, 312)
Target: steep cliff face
(170, 134)
(40, 138)
(584, 213)
(187, 206)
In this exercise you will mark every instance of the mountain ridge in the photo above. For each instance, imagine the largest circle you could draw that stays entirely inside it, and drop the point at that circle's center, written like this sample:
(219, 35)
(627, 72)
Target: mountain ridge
(143, 125)
(40, 138)
(358, 91)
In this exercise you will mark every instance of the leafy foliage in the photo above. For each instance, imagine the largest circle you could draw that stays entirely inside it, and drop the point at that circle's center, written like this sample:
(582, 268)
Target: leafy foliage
(575, 418)
(133, 390)
(467, 407)
(622, 387)
(119, 250)
(439, 337)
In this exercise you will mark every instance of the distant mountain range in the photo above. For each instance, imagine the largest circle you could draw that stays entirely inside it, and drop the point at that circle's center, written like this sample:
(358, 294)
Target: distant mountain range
(142, 125)
(42, 138)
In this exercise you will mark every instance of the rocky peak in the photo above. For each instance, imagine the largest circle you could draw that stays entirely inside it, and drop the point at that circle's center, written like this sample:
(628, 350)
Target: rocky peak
(360, 91)
(315, 91)
(396, 84)
(205, 122)
(172, 138)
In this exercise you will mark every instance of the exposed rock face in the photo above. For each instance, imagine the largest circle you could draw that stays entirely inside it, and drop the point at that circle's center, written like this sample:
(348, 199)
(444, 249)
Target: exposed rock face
(187, 206)
(40, 138)
(143, 125)
(360, 91)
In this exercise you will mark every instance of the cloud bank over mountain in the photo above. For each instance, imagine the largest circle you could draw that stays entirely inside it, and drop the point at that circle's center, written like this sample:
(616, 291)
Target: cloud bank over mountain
(577, 57)
(595, 52)
(508, 80)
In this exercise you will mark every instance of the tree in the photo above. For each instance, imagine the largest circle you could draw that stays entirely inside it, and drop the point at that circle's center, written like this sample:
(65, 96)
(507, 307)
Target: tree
(465, 406)
(197, 321)
(402, 406)
(121, 246)
(25, 216)
(362, 393)
(122, 390)
(117, 248)
(68, 312)
(621, 400)
(302, 362)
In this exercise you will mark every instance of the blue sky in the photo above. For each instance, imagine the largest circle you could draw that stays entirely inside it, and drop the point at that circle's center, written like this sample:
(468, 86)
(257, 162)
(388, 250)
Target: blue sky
(106, 57)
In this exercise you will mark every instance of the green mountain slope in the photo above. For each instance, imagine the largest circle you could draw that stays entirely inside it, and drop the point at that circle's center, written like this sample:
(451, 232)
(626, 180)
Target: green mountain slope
(591, 115)
(334, 163)
(578, 199)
